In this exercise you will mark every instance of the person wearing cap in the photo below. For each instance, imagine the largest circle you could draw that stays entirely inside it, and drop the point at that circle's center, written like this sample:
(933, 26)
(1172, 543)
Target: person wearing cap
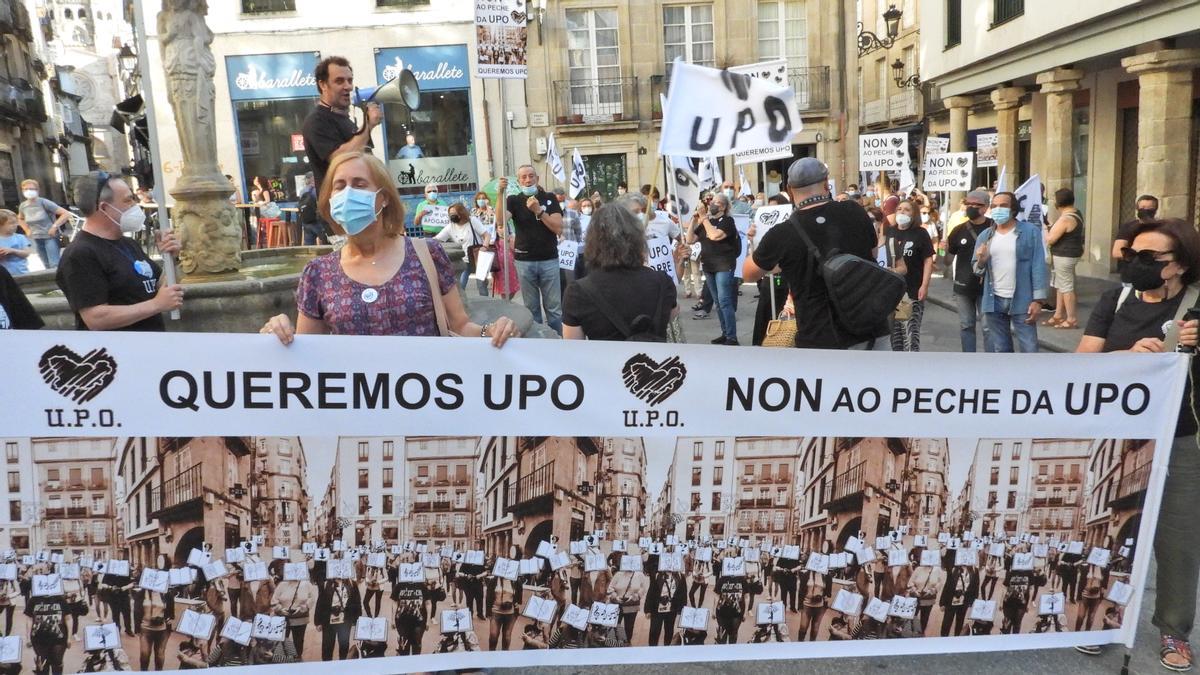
(1012, 258)
(968, 289)
(844, 226)
(431, 200)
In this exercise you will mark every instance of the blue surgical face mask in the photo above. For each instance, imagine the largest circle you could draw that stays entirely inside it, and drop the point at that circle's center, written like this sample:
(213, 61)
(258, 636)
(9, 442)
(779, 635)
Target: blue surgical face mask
(529, 191)
(354, 209)
(1000, 214)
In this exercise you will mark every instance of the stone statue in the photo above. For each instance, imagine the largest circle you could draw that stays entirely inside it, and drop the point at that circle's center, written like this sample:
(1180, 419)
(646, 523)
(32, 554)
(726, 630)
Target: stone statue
(210, 228)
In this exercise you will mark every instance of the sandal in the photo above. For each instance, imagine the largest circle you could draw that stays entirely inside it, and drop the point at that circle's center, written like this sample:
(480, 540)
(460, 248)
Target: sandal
(1173, 646)
(1067, 324)
(1052, 322)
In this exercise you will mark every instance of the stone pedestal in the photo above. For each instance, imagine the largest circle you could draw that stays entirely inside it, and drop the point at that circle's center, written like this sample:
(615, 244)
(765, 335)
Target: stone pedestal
(959, 107)
(210, 231)
(1007, 102)
(1059, 86)
(1164, 125)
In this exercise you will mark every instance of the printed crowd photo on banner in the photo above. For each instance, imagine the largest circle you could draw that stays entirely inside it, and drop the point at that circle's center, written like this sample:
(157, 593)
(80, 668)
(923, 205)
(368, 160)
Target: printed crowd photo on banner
(342, 547)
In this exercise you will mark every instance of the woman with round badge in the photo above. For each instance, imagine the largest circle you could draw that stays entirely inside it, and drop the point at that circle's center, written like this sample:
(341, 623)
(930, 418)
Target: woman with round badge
(380, 282)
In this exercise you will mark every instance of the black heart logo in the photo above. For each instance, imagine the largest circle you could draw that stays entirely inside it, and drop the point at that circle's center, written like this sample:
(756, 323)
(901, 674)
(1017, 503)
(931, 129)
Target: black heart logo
(518, 17)
(963, 161)
(964, 174)
(768, 218)
(651, 381)
(79, 378)
(766, 74)
(897, 141)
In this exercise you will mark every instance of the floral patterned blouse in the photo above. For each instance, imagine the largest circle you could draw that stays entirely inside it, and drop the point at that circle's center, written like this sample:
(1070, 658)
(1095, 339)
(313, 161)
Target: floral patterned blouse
(402, 305)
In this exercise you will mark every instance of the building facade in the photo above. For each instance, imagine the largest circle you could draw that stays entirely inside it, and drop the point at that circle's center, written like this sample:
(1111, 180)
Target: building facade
(440, 475)
(75, 476)
(137, 476)
(698, 497)
(1096, 97)
(204, 494)
(26, 150)
(549, 497)
(19, 521)
(811, 524)
(926, 485)
(279, 497)
(1124, 497)
(498, 476)
(358, 508)
(865, 492)
(767, 486)
(889, 96)
(1058, 479)
(621, 488)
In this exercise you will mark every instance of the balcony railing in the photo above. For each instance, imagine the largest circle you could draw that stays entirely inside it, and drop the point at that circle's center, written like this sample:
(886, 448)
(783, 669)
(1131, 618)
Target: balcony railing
(904, 105)
(1134, 483)
(811, 85)
(1048, 501)
(848, 484)
(435, 505)
(178, 490)
(596, 101)
(77, 539)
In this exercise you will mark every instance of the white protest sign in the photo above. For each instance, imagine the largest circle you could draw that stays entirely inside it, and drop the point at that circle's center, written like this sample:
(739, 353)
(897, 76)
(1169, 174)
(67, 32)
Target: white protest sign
(540, 609)
(878, 609)
(67, 570)
(604, 614)
(501, 40)
(437, 216)
(506, 568)
(237, 630)
(774, 73)
(936, 145)
(545, 549)
(234, 555)
(56, 558)
(266, 627)
(46, 585)
(411, 573)
(295, 571)
(983, 610)
(196, 624)
(619, 545)
(198, 558)
(1041, 550)
(377, 560)
(737, 113)
(882, 543)
(431, 560)
(694, 618)
(344, 569)
(99, 637)
(733, 567)
(897, 557)
(1099, 556)
(865, 555)
(920, 541)
(767, 217)
(948, 172)
(578, 547)
(966, 557)
(817, 562)
(1120, 593)
(854, 544)
(559, 560)
(371, 629)
(339, 545)
(704, 554)
(644, 542)
(568, 252)
(308, 547)
(986, 149)
(255, 571)
(280, 553)
(882, 152)
(903, 607)
(1022, 561)
(670, 562)
(769, 613)
(996, 550)
(8, 572)
(532, 565)
(838, 561)
(576, 617)
(631, 563)
(1052, 603)
(554, 160)
(474, 557)
(118, 568)
(10, 649)
(790, 552)
(155, 580)
(214, 570)
(848, 603)
(181, 576)
(660, 257)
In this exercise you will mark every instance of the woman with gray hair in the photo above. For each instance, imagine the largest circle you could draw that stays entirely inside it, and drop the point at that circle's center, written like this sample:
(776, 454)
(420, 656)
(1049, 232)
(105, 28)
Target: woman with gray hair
(621, 298)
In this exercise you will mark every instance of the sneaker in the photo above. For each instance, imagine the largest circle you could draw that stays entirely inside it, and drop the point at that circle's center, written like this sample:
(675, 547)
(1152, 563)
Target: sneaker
(700, 315)
(732, 342)
(699, 306)
(719, 340)
(1090, 650)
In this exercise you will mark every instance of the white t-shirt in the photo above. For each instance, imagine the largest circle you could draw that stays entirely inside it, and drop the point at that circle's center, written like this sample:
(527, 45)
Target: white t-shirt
(461, 234)
(1003, 251)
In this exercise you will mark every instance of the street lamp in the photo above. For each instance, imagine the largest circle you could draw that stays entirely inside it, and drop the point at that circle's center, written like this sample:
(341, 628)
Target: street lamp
(869, 42)
(912, 82)
(128, 58)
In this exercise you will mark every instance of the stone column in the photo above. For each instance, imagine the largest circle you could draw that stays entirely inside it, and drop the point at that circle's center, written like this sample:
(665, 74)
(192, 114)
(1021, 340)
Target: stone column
(959, 107)
(1059, 86)
(1007, 102)
(1164, 125)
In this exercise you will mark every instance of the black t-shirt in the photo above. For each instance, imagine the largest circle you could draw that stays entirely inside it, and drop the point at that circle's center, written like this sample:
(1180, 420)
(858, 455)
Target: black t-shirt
(325, 131)
(961, 245)
(914, 246)
(631, 292)
(844, 226)
(15, 310)
(97, 271)
(534, 241)
(719, 256)
(1137, 320)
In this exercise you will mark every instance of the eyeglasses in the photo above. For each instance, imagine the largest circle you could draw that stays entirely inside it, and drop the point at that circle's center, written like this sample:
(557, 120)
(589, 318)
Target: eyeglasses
(1145, 256)
(101, 183)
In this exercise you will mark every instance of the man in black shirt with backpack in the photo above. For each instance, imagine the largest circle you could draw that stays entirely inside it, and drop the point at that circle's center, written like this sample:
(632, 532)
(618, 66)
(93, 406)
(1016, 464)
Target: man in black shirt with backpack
(841, 295)
(968, 286)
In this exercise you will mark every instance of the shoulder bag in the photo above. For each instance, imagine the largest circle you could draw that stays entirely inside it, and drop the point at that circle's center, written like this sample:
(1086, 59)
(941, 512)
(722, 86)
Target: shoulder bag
(439, 307)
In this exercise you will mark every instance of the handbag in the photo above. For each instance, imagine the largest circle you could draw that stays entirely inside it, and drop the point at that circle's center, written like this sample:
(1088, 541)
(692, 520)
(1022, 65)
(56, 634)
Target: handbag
(781, 332)
(473, 249)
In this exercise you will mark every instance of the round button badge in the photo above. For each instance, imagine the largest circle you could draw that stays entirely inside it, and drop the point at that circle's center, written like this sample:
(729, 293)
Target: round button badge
(370, 295)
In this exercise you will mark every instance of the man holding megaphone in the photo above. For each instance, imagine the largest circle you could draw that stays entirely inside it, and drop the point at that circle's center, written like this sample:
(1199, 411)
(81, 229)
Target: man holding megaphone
(328, 129)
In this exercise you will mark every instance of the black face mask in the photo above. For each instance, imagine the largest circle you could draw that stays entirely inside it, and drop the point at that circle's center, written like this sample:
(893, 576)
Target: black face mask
(455, 218)
(972, 212)
(1144, 276)
(1146, 214)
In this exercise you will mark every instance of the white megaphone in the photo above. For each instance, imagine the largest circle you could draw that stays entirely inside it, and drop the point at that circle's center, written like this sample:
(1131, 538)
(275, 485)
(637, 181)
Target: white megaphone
(402, 89)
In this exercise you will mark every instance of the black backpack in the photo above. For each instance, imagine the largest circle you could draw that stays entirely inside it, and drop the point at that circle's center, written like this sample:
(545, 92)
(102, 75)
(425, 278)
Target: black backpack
(861, 293)
(308, 207)
(640, 330)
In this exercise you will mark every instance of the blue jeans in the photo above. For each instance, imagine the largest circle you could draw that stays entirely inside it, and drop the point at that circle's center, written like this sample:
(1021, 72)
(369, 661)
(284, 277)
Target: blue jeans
(1007, 323)
(540, 288)
(722, 288)
(968, 316)
(48, 251)
(466, 277)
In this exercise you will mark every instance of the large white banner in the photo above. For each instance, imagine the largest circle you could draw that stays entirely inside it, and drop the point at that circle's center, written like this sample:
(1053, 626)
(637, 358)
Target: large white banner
(775, 72)
(712, 113)
(948, 172)
(882, 152)
(899, 453)
(683, 172)
(554, 160)
(501, 36)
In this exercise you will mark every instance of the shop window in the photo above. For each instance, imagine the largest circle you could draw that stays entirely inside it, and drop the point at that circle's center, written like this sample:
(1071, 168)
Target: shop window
(267, 6)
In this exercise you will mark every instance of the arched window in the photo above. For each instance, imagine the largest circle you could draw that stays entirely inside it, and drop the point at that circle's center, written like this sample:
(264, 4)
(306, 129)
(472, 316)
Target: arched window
(82, 13)
(67, 14)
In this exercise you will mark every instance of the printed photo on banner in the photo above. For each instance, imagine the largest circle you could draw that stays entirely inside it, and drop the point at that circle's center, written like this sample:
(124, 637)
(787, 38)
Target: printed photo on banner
(501, 36)
(986, 149)
(948, 172)
(936, 145)
(882, 152)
